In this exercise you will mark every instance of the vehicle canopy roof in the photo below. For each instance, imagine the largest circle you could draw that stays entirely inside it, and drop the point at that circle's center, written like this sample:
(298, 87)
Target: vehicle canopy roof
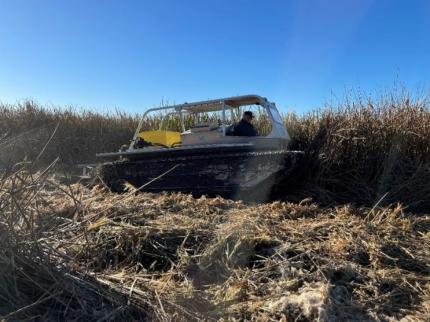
(217, 104)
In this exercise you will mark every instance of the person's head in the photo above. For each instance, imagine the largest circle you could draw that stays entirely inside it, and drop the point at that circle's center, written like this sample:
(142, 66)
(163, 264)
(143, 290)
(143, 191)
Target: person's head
(248, 116)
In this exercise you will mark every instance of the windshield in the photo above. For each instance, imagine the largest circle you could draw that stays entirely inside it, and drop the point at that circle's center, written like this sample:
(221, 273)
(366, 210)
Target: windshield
(275, 115)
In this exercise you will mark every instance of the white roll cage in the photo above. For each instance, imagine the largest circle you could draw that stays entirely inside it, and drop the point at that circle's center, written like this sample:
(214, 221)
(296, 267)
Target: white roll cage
(278, 128)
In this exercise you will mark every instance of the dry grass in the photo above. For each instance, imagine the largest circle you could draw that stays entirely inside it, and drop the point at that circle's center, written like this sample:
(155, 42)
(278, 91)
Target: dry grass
(72, 252)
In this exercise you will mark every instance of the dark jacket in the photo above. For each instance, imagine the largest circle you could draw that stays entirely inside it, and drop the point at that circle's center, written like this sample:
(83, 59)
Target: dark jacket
(244, 128)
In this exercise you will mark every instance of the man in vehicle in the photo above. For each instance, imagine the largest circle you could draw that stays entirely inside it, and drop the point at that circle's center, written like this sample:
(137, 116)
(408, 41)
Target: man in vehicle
(244, 127)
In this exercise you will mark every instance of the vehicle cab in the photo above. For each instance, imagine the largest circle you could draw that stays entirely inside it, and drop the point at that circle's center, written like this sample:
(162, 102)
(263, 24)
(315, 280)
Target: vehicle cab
(213, 128)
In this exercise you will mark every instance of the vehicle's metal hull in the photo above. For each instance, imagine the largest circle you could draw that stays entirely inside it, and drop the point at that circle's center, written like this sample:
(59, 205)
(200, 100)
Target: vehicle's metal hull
(236, 171)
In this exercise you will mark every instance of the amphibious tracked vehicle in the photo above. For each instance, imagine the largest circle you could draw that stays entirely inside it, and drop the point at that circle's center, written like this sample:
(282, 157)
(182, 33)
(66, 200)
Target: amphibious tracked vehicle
(206, 158)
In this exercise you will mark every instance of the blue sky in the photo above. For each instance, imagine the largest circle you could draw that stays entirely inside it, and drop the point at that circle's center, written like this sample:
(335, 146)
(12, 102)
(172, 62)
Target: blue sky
(134, 54)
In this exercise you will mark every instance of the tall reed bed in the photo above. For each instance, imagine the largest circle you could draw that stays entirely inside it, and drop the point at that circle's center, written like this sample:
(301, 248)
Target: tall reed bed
(367, 151)
(364, 150)
(25, 128)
